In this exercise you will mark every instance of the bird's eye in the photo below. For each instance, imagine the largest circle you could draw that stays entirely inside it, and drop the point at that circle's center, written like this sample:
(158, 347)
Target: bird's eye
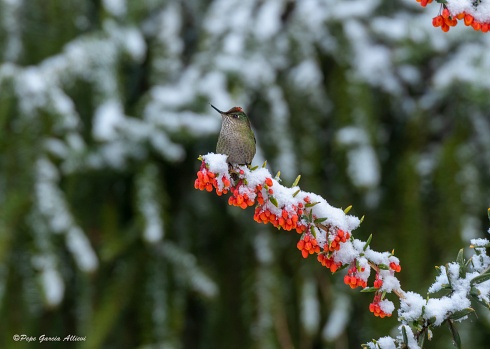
(236, 116)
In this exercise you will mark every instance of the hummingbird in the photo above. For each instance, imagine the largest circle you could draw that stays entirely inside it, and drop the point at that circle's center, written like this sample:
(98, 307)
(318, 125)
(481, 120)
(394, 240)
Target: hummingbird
(236, 138)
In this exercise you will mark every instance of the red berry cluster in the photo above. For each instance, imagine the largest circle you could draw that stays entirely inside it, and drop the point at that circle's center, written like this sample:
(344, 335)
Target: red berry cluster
(329, 262)
(445, 20)
(375, 307)
(294, 215)
(308, 245)
(353, 280)
(207, 180)
(377, 281)
(424, 3)
(241, 195)
(339, 237)
(396, 267)
(469, 20)
(287, 219)
(326, 258)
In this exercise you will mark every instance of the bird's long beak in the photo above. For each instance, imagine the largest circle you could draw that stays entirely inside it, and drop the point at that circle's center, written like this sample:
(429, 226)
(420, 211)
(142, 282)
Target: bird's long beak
(219, 111)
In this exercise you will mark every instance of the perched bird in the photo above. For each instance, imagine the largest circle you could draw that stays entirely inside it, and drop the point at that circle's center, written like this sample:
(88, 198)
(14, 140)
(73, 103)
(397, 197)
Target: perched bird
(236, 139)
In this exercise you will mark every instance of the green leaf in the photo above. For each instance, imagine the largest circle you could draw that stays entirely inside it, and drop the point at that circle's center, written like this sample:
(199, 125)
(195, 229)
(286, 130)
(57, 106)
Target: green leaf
(296, 193)
(404, 334)
(442, 1)
(383, 266)
(461, 313)
(448, 276)
(254, 168)
(311, 204)
(481, 301)
(369, 289)
(454, 332)
(480, 278)
(366, 245)
(421, 339)
(312, 231)
(460, 260)
(347, 209)
(474, 291)
(264, 164)
(273, 200)
(446, 287)
(278, 174)
(296, 181)
(319, 220)
(362, 219)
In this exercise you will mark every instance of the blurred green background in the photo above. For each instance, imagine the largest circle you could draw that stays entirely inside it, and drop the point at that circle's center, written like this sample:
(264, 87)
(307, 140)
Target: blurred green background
(104, 110)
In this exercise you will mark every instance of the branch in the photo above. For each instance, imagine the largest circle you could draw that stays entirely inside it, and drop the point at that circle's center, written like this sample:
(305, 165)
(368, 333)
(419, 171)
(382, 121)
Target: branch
(326, 232)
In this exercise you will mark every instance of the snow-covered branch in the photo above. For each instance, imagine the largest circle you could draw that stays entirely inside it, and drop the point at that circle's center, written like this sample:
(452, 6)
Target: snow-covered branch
(326, 231)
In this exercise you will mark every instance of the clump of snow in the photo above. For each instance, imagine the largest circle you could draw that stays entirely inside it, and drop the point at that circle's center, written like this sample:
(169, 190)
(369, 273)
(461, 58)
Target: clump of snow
(412, 341)
(115, 7)
(390, 282)
(338, 317)
(440, 282)
(216, 162)
(387, 306)
(439, 308)
(363, 166)
(484, 291)
(383, 343)
(458, 299)
(411, 306)
(50, 278)
(365, 268)
(310, 307)
(79, 245)
(480, 242)
(347, 254)
(148, 204)
(106, 120)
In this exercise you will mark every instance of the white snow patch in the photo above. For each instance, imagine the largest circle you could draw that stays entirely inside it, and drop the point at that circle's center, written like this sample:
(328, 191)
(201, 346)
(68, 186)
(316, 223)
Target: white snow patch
(79, 246)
